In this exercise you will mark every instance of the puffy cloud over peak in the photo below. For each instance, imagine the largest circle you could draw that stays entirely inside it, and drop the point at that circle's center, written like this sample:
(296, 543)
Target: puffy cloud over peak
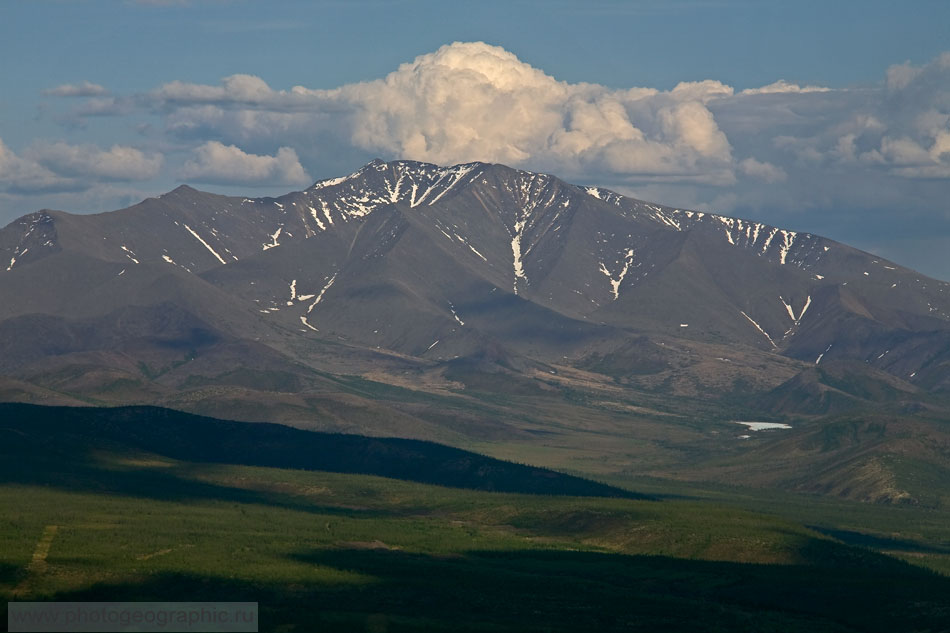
(217, 163)
(463, 102)
(474, 101)
(783, 147)
(490, 64)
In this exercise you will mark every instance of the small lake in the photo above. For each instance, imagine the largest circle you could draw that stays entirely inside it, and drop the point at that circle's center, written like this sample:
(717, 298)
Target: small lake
(763, 426)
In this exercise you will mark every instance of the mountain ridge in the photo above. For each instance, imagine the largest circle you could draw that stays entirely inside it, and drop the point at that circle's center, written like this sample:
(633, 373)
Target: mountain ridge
(492, 292)
(536, 216)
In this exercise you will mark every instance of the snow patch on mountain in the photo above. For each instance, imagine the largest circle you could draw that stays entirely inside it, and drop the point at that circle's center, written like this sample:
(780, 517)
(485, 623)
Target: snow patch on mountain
(204, 243)
(616, 281)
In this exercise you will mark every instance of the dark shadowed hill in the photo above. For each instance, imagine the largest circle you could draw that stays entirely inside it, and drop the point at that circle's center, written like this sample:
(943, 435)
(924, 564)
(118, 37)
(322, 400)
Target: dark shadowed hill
(72, 432)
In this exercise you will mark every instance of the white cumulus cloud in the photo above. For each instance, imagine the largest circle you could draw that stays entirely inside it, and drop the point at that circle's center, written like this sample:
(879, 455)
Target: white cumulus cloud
(473, 101)
(467, 102)
(119, 162)
(848, 155)
(21, 175)
(215, 162)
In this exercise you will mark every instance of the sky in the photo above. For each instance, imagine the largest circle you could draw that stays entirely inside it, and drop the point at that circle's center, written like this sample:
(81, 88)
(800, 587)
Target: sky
(826, 117)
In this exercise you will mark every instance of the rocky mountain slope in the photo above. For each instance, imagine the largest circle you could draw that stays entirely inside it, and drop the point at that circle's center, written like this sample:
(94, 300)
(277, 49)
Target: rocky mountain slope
(354, 301)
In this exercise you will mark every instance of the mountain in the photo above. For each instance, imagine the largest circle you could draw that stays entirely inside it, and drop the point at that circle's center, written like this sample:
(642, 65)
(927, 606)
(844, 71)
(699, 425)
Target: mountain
(472, 303)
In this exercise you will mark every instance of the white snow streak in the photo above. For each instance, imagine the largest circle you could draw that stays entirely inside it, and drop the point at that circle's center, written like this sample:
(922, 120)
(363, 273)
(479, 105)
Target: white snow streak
(313, 213)
(593, 191)
(394, 190)
(818, 360)
(326, 211)
(130, 254)
(452, 310)
(462, 171)
(329, 182)
(615, 283)
(788, 238)
(791, 312)
(204, 243)
(322, 291)
(788, 308)
(804, 309)
(759, 328)
(303, 320)
(516, 251)
(476, 252)
(273, 239)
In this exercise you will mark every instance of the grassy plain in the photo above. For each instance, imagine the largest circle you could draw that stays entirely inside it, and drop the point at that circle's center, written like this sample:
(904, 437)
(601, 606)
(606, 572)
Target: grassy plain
(347, 552)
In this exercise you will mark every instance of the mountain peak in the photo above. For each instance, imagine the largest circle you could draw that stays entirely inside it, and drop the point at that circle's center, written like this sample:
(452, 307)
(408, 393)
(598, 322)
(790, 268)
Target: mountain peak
(425, 260)
(182, 190)
(379, 183)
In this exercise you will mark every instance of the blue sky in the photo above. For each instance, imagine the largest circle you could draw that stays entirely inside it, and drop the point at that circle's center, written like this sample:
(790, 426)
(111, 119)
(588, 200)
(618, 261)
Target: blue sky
(832, 118)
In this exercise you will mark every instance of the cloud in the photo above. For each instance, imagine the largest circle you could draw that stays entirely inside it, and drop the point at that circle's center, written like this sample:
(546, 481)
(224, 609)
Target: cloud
(765, 171)
(20, 175)
(900, 129)
(82, 89)
(246, 89)
(472, 101)
(785, 147)
(119, 162)
(105, 106)
(703, 91)
(783, 87)
(900, 75)
(214, 162)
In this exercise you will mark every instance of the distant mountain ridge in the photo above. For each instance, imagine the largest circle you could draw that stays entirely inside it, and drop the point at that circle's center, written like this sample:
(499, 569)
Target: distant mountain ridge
(468, 303)
(584, 253)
